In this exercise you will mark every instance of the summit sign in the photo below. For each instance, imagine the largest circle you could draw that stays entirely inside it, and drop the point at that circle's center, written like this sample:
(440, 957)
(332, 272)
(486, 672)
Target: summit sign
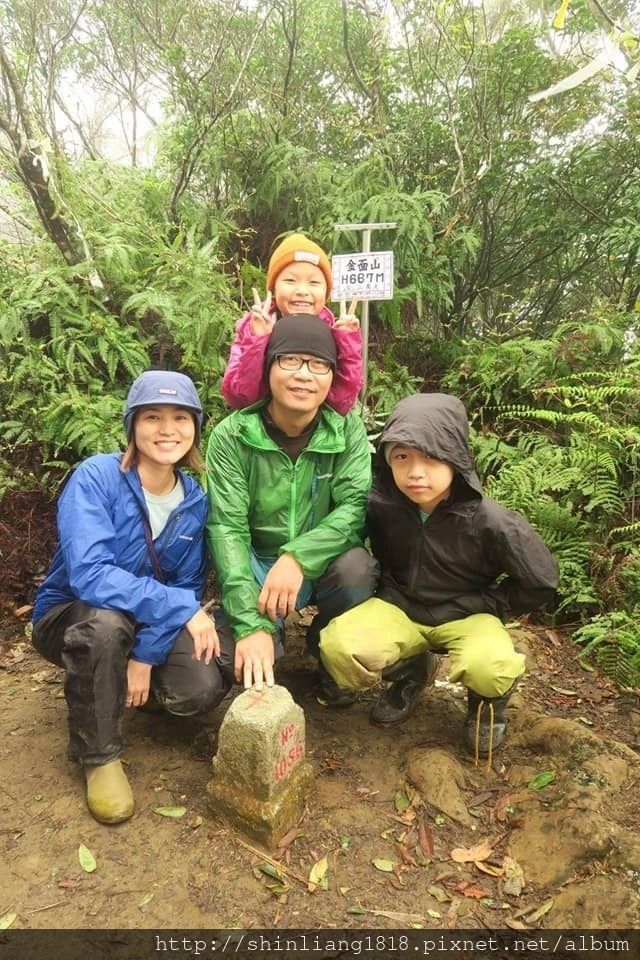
(367, 276)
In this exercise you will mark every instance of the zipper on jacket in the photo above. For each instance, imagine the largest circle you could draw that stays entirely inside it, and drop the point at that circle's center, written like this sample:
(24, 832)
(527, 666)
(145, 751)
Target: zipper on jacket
(292, 507)
(293, 516)
(167, 529)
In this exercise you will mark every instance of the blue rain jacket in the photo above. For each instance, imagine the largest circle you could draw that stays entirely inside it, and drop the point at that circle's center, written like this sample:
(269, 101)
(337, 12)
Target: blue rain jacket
(102, 557)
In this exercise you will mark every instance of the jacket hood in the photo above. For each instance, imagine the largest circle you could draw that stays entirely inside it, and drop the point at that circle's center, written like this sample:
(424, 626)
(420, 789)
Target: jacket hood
(437, 425)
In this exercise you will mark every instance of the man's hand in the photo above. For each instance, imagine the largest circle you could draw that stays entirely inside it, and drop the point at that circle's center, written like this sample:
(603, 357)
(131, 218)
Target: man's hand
(138, 683)
(206, 644)
(261, 319)
(347, 319)
(281, 587)
(254, 660)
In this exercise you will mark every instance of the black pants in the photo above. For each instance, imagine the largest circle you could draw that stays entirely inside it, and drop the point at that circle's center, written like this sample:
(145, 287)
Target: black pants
(93, 646)
(350, 579)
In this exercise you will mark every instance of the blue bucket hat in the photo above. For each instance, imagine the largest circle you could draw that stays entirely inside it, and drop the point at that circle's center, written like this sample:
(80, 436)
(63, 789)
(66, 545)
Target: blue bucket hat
(167, 387)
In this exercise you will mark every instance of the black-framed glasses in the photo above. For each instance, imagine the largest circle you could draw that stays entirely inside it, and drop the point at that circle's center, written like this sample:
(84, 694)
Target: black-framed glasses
(293, 361)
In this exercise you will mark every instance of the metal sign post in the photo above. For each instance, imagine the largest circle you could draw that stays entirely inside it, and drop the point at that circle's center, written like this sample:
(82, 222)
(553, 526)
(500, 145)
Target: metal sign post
(365, 229)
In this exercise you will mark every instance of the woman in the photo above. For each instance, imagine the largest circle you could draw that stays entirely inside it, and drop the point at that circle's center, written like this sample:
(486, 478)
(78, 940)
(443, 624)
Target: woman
(120, 606)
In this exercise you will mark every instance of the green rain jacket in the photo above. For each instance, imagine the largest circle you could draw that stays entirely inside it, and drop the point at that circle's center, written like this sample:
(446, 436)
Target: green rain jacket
(260, 500)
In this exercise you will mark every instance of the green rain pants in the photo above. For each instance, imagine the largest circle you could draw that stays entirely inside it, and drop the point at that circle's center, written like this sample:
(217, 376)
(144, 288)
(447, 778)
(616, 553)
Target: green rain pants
(358, 645)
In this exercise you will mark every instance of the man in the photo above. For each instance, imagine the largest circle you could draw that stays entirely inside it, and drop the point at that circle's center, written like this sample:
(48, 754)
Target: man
(287, 482)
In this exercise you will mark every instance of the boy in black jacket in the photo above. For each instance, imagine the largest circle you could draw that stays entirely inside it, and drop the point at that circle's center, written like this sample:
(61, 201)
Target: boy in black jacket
(453, 563)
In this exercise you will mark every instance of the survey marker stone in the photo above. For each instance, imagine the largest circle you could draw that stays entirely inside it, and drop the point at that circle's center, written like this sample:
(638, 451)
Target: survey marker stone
(260, 773)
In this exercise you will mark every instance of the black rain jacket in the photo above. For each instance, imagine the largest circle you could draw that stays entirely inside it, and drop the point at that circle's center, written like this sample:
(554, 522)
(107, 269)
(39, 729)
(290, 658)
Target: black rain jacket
(471, 555)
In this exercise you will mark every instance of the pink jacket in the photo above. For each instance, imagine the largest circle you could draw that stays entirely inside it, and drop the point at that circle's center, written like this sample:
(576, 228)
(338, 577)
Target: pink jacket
(244, 381)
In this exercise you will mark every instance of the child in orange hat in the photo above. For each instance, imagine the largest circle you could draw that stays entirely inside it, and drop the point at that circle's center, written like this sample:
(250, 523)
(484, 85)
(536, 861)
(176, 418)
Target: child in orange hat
(298, 282)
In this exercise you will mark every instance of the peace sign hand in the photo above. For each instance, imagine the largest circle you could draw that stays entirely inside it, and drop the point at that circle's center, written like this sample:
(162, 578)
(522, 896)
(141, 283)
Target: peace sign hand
(347, 319)
(261, 318)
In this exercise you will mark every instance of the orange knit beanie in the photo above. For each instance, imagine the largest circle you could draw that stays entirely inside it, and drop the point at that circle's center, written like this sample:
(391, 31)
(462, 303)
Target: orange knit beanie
(296, 248)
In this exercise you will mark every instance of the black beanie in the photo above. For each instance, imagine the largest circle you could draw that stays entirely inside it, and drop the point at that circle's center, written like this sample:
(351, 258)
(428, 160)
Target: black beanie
(302, 333)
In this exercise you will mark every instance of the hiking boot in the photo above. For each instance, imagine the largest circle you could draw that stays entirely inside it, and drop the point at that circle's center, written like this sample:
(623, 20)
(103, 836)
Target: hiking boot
(485, 725)
(109, 795)
(408, 679)
(330, 694)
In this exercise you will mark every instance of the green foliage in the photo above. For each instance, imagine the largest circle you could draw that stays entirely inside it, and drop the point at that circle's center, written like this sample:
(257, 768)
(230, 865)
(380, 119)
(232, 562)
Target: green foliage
(516, 241)
(557, 433)
(613, 641)
(69, 351)
(61, 374)
(388, 382)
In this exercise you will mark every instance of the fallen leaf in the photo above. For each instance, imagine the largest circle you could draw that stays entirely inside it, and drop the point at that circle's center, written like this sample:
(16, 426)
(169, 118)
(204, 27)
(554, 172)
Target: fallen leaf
(401, 801)
(174, 812)
(270, 871)
(516, 924)
(513, 877)
(495, 904)
(365, 793)
(318, 871)
(66, 884)
(6, 920)
(566, 693)
(278, 888)
(403, 919)
(405, 855)
(554, 637)
(540, 912)
(356, 910)
(425, 839)
(471, 890)
(147, 898)
(387, 866)
(87, 859)
(407, 817)
(438, 893)
(294, 834)
(471, 854)
(434, 914)
(491, 868)
(20, 611)
(195, 822)
(502, 808)
(542, 780)
(480, 798)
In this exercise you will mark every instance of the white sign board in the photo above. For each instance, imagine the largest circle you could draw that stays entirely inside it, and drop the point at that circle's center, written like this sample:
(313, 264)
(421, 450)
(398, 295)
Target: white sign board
(368, 276)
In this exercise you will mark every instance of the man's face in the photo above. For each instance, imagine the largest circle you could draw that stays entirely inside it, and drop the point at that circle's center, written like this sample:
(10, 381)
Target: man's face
(297, 391)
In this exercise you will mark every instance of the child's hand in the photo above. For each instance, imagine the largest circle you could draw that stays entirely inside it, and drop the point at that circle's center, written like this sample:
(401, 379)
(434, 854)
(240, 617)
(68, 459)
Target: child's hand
(261, 319)
(347, 319)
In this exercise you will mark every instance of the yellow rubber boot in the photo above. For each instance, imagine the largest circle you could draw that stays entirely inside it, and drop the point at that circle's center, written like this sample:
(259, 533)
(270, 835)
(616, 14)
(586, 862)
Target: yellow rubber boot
(109, 795)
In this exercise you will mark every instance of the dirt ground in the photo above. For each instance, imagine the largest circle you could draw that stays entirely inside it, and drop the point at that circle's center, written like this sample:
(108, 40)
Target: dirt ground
(377, 812)
(414, 835)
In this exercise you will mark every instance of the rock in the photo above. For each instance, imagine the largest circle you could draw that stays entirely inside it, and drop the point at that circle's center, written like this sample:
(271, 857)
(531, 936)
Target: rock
(551, 846)
(610, 908)
(440, 779)
(261, 776)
